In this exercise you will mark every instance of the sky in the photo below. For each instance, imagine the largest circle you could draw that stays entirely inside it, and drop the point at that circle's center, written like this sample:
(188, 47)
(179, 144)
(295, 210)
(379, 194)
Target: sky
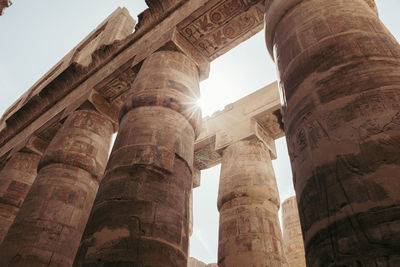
(35, 35)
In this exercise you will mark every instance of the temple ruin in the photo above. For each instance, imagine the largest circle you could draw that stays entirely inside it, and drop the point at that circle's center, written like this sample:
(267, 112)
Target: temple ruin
(65, 201)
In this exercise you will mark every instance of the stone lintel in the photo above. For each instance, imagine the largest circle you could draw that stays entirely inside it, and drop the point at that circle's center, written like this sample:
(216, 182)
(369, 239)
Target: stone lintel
(33, 144)
(116, 27)
(245, 130)
(157, 11)
(108, 109)
(109, 58)
(254, 116)
(218, 26)
(66, 83)
(203, 63)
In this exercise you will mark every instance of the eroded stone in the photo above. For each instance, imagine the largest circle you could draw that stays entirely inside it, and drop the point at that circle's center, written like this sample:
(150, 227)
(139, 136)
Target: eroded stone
(49, 226)
(292, 236)
(16, 179)
(338, 68)
(148, 182)
(248, 202)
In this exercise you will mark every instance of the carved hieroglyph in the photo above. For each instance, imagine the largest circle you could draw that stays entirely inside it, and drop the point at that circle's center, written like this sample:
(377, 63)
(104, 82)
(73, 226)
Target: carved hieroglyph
(58, 93)
(144, 197)
(339, 73)
(48, 228)
(292, 236)
(98, 72)
(248, 203)
(15, 182)
(218, 25)
(108, 60)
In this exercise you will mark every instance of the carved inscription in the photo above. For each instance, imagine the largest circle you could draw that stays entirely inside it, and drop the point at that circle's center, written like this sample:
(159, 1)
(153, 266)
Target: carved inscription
(15, 194)
(310, 132)
(118, 85)
(90, 121)
(222, 24)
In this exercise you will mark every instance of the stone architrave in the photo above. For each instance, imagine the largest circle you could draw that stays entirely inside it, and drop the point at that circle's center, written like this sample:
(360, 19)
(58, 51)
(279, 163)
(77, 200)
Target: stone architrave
(292, 237)
(16, 179)
(49, 226)
(141, 212)
(339, 77)
(248, 202)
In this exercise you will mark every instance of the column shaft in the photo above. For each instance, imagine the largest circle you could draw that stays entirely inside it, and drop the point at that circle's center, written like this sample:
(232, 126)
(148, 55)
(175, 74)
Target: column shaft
(292, 237)
(141, 213)
(49, 226)
(339, 75)
(248, 202)
(16, 179)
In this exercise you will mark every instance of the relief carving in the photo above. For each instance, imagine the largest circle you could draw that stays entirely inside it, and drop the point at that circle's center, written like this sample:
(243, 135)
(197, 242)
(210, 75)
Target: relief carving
(222, 24)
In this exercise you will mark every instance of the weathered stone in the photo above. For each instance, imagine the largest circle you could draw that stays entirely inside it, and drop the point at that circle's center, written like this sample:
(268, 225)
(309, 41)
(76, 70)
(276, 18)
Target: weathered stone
(339, 75)
(141, 213)
(248, 202)
(49, 226)
(191, 213)
(3, 5)
(16, 179)
(257, 114)
(108, 59)
(292, 237)
(196, 263)
(64, 87)
(218, 26)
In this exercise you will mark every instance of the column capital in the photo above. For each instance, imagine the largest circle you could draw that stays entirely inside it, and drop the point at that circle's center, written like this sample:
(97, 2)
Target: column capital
(179, 43)
(245, 130)
(257, 115)
(167, 79)
(33, 144)
(71, 147)
(108, 109)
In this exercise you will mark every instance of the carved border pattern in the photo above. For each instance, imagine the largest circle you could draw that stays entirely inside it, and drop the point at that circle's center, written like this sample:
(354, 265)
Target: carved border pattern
(222, 24)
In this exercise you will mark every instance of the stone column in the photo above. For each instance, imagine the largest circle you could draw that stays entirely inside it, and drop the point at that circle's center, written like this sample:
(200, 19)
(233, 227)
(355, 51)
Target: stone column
(16, 179)
(292, 237)
(339, 76)
(248, 202)
(49, 226)
(141, 212)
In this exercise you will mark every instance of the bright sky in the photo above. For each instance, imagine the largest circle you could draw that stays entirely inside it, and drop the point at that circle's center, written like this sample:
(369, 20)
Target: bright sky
(35, 35)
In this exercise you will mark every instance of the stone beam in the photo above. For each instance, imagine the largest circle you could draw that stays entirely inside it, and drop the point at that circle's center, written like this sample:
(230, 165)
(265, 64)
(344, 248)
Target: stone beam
(256, 115)
(218, 26)
(109, 58)
(63, 88)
